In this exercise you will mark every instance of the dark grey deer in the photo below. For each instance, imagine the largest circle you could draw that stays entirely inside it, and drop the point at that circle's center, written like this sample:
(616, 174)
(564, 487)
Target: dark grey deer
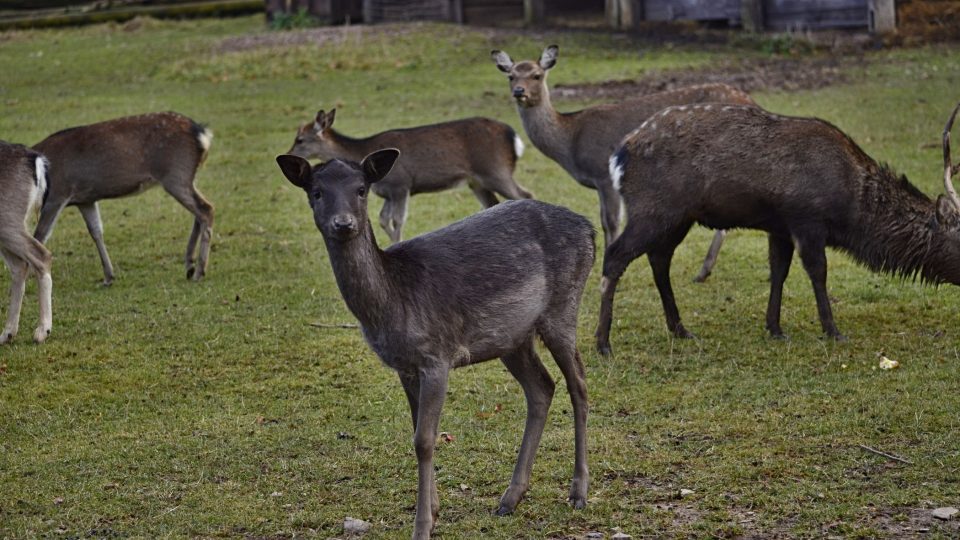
(582, 141)
(802, 180)
(23, 183)
(482, 288)
(122, 157)
(435, 157)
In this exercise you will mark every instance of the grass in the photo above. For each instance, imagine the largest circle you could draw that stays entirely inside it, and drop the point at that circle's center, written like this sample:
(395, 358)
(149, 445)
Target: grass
(165, 408)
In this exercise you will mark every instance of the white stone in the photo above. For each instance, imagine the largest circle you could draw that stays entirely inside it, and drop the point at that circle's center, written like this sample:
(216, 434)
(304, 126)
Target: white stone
(355, 527)
(945, 513)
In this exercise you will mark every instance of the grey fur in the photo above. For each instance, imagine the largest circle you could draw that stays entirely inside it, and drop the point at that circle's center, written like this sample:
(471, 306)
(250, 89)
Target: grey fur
(800, 179)
(21, 183)
(479, 289)
(123, 157)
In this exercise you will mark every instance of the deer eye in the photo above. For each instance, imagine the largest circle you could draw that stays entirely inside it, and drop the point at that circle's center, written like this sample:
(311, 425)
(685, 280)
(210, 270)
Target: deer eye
(510, 77)
(537, 77)
(362, 191)
(317, 194)
(299, 140)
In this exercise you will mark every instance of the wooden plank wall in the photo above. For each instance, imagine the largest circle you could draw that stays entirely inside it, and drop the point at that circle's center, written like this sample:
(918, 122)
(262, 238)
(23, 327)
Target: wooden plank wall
(697, 10)
(814, 14)
(777, 14)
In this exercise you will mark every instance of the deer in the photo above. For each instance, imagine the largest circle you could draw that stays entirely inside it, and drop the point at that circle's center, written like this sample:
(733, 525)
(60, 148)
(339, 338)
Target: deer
(581, 141)
(802, 180)
(436, 157)
(124, 157)
(23, 183)
(482, 288)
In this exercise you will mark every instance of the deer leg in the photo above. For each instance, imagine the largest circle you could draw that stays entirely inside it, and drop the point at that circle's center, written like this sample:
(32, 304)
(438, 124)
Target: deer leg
(91, 216)
(781, 254)
(538, 386)
(617, 257)
(385, 212)
(660, 264)
(411, 387)
(22, 256)
(191, 199)
(503, 183)
(711, 259)
(563, 347)
(814, 257)
(398, 216)
(18, 275)
(49, 213)
(486, 197)
(433, 390)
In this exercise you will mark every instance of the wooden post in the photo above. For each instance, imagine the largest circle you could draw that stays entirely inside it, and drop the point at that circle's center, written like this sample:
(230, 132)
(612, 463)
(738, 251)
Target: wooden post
(622, 14)
(882, 16)
(751, 15)
(275, 6)
(534, 12)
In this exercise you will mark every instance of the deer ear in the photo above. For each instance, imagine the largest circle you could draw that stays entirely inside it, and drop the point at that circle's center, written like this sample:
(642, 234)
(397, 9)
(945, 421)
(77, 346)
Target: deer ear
(503, 61)
(549, 57)
(296, 169)
(947, 213)
(378, 164)
(330, 116)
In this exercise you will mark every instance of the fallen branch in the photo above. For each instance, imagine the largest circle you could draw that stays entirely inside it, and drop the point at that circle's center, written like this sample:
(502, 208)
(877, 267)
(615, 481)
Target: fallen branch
(333, 325)
(886, 455)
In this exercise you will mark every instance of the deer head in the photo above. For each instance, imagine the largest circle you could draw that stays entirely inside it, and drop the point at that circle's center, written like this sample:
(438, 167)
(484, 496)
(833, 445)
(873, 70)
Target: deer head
(528, 79)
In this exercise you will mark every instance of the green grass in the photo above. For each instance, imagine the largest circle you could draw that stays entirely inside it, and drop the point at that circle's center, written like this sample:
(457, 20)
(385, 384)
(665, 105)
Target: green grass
(165, 408)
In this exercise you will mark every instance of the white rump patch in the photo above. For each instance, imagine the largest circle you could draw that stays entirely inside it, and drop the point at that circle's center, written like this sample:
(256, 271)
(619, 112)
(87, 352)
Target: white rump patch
(518, 146)
(205, 137)
(616, 172)
(41, 181)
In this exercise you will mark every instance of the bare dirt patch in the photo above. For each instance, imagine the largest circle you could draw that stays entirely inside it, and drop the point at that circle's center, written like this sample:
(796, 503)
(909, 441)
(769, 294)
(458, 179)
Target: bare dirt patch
(766, 74)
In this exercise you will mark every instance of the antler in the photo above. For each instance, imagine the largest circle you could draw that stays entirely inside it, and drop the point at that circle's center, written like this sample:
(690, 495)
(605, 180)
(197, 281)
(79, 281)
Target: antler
(948, 169)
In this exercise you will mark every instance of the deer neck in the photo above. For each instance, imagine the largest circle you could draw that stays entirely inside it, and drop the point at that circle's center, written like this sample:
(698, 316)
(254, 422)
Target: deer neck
(548, 130)
(349, 148)
(360, 268)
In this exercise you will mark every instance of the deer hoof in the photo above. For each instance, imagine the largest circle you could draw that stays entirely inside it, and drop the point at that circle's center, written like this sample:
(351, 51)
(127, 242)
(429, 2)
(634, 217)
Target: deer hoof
(503, 511)
(7, 337)
(604, 349)
(190, 272)
(779, 336)
(579, 503)
(682, 333)
(41, 334)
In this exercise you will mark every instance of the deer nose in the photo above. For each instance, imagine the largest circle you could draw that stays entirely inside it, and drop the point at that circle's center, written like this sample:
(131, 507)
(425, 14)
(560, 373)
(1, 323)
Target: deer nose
(518, 92)
(343, 223)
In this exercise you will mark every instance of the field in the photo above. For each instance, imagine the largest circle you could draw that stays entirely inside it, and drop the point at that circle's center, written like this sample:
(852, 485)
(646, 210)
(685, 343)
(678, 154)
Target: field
(237, 408)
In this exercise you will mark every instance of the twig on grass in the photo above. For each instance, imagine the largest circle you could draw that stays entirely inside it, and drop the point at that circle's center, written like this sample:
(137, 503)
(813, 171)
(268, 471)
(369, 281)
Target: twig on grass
(886, 455)
(333, 325)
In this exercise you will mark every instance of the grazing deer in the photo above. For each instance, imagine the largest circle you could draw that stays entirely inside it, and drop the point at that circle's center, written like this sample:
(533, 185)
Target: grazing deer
(23, 184)
(124, 157)
(481, 288)
(801, 180)
(436, 157)
(582, 141)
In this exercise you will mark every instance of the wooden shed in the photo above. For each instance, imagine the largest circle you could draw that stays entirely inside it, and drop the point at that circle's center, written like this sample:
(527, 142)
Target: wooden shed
(621, 14)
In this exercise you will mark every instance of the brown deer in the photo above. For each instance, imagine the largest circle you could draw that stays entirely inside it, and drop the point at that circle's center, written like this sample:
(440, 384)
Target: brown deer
(435, 157)
(582, 141)
(482, 288)
(23, 184)
(801, 180)
(124, 157)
